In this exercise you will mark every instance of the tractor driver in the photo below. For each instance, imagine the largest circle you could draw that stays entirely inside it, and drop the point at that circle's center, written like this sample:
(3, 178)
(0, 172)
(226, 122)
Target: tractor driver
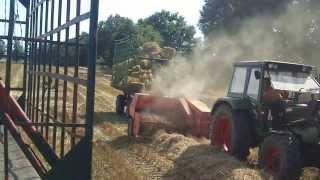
(272, 98)
(270, 95)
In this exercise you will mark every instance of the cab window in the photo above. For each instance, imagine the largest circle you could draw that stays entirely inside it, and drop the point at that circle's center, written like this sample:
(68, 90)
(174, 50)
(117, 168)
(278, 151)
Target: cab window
(238, 80)
(254, 85)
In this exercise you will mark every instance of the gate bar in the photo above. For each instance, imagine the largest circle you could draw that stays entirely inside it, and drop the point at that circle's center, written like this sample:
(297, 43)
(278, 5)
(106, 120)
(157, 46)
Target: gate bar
(25, 63)
(7, 21)
(8, 83)
(17, 114)
(24, 147)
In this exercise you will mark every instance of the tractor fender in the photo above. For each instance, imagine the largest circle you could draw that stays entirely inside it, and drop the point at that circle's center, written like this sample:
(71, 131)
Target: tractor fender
(234, 103)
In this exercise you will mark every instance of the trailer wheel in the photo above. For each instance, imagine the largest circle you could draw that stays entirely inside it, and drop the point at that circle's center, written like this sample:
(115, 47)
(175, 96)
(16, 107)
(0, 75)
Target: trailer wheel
(230, 131)
(280, 156)
(120, 104)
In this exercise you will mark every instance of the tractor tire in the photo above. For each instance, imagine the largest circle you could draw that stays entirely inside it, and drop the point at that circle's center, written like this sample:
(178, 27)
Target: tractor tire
(280, 156)
(120, 104)
(231, 132)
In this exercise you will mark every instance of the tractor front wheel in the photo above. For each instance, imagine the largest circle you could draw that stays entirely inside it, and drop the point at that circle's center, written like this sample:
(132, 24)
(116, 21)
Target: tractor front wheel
(280, 156)
(120, 104)
(230, 131)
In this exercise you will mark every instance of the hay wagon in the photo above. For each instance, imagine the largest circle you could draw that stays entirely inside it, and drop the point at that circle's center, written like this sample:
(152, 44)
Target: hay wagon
(146, 111)
(133, 73)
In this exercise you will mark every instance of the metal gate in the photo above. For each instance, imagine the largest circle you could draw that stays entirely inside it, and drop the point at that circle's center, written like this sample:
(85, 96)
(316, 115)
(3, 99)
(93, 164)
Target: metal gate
(52, 120)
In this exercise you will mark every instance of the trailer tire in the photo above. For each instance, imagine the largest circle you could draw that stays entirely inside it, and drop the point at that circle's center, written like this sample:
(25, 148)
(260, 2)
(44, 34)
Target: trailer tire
(280, 156)
(120, 104)
(231, 132)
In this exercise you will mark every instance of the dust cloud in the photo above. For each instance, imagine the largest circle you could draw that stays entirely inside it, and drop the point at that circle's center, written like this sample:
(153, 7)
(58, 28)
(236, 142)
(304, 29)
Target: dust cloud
(291, 36)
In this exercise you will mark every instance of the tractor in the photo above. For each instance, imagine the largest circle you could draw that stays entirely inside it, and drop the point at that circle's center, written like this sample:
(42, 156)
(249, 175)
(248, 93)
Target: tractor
(274, 106)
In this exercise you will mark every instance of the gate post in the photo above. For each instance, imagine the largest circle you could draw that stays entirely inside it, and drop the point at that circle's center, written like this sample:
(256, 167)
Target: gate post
(91, 76)
(8, 82)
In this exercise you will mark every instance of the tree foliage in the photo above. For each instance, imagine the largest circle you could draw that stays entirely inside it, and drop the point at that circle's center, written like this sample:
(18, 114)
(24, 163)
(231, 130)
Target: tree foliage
(17, 50)
(146, 33)
(164, 28)
(115, 27)
(83, 49)
(173, 29)
(278, 29)
(226, 15)
(2, 47)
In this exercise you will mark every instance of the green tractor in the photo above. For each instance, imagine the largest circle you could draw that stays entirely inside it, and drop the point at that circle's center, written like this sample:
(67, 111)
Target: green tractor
(273, 105)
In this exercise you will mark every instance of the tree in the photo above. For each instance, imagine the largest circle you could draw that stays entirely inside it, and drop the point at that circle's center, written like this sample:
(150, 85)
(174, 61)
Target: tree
(173, 29)
(83, 49)
(146, 33)
(17, 50)
(255, 29)
(2, 47)
(115, 27)
(227, 15)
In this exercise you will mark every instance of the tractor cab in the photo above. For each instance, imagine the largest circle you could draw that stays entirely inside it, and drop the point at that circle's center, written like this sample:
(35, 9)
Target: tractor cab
(283, 93)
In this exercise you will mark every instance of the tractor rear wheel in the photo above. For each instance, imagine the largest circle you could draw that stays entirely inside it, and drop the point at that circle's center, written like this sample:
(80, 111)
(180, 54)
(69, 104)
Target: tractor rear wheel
(230, 131)
(280, 156)
(120, 104)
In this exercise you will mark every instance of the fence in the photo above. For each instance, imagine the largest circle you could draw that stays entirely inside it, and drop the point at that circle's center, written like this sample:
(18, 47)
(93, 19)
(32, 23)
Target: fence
(54, 126)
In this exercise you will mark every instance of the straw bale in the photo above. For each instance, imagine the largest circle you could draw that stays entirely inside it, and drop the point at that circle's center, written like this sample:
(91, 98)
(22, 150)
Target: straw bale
(168, 53)
(135, 74)
(151, 48)
(145, 64)
(135, 68)
(133, 80)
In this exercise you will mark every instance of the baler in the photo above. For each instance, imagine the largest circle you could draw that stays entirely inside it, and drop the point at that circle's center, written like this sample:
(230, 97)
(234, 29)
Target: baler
(180, 115)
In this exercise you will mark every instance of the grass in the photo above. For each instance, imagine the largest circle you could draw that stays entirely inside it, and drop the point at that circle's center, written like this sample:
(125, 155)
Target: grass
(16, 74)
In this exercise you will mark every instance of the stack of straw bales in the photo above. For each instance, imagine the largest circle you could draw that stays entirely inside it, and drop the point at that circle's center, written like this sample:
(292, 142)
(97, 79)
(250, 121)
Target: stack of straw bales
(140, 70)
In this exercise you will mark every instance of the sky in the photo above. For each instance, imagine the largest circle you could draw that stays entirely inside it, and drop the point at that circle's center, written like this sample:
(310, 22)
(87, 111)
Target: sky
(4, 14)
(136, 9)
(133, 9)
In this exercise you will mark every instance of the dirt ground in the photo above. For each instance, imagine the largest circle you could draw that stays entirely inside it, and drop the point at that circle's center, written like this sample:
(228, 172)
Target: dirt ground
(16, 74)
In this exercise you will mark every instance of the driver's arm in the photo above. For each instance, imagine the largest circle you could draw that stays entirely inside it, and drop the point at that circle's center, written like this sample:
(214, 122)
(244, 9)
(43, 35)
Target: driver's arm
(271, 95)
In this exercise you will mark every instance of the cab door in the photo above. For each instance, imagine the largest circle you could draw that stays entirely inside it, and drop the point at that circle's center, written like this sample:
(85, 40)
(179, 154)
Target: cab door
(254, 94)
(253, 90)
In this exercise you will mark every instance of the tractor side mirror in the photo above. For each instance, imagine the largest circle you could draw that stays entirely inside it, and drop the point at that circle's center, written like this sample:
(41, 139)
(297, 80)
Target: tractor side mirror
(257, 74)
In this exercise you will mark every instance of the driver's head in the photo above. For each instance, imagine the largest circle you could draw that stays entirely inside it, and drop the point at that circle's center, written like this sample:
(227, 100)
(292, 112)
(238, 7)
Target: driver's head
(267, 82)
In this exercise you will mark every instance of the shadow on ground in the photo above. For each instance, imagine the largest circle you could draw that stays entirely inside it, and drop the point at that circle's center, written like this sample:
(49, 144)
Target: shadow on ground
(124, 142)
(105, 69)
(112, 117)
